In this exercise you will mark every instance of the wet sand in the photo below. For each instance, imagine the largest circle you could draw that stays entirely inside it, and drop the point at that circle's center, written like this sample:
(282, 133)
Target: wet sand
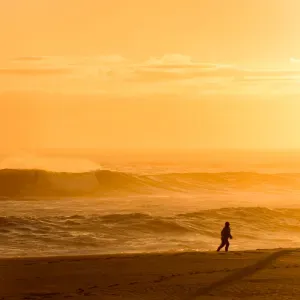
(261, 274)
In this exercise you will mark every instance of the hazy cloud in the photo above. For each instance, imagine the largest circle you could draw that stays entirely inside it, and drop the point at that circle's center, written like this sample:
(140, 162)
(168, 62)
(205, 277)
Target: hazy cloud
(185, 68)
(180, 67)
(157, 76)
(217, 72)
(265, 79)
(169, 73)
(295, 60)
(33, 72)
(176, 61)
(72, 60)
(29, 58)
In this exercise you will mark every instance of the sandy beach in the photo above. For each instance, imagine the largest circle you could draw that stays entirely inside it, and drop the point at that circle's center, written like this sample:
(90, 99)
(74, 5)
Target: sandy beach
(261, 274)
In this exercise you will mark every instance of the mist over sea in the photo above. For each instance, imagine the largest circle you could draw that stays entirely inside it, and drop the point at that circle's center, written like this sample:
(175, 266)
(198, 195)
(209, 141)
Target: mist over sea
(96, 204)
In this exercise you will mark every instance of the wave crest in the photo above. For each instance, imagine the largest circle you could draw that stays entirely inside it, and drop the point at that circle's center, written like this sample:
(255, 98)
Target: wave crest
(15, 183)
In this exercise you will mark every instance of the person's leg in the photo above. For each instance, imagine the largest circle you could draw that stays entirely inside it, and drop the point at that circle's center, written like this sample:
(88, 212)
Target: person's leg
(221, 245)
(227, 246)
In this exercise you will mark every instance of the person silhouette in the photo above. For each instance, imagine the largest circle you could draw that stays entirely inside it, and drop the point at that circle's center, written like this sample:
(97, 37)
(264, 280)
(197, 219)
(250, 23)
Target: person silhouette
(225, 235)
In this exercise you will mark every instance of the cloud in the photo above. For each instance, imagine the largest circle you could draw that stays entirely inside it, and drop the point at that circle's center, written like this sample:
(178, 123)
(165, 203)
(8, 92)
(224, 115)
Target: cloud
(176, 61)
(269, 73)
(170, 59)
(166, 68)
(266, 79)
(34, 72)
(79, 66)
(72, 60)
(98, 67)
(29, 58)
(148, 74)
(109, 59)
(294, 60)
(168, 73)
(179, 67)
(158, 76)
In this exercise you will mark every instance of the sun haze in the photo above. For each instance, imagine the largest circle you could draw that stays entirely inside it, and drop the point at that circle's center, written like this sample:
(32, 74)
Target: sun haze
(157, 127)
(149, 74)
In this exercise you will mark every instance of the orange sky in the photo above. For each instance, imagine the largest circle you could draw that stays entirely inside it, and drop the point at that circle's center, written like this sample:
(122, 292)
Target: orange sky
(150, 74)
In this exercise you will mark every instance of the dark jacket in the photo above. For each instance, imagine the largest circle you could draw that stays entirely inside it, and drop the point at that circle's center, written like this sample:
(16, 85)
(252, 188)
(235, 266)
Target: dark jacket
(226, 234)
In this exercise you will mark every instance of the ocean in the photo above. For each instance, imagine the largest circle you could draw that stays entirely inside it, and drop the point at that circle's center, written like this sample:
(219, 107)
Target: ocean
(149, 205)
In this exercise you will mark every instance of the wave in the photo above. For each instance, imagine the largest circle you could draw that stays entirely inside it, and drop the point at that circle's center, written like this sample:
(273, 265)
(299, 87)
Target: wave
(251, 227)
(15, 183)
(205, 222)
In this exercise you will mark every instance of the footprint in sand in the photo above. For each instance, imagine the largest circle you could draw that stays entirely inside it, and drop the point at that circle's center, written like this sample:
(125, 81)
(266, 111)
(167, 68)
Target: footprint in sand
(247, 271)
(113, 285)
(93, 287)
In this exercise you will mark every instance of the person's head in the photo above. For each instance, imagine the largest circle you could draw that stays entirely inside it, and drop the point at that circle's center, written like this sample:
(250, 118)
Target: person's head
(227, 224)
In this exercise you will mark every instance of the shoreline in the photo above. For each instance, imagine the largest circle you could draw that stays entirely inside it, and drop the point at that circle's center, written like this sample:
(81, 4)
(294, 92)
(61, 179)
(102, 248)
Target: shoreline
(136, 254)
(246, 274)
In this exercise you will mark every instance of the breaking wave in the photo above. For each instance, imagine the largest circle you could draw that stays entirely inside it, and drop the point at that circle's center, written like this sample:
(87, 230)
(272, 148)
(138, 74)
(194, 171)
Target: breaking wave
(18, 183)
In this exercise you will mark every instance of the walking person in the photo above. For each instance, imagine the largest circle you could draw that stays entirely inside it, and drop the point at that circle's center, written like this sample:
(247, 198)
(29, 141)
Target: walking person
(225, 236)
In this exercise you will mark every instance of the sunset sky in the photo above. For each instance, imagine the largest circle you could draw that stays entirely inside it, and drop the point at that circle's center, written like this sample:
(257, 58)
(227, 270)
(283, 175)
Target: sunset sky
(150, 74)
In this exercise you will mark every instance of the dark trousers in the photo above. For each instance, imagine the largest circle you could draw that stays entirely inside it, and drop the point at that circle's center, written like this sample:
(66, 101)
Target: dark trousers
(224, 242)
